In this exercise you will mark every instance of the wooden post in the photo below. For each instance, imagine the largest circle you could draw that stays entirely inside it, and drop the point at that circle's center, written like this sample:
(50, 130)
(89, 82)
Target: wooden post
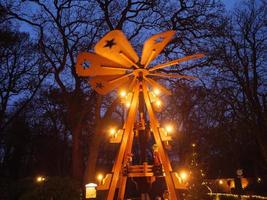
(164, 158)
(129, 124)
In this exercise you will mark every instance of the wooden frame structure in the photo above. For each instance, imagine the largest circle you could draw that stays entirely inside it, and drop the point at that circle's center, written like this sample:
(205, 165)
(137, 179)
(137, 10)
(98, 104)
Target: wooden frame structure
(116, 65)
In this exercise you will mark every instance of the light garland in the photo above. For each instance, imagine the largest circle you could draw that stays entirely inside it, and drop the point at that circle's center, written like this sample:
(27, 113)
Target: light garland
(237, 196)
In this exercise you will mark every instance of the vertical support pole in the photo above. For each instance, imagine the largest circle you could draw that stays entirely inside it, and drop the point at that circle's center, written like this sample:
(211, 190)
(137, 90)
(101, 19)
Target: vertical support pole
(129, 124)
(142, 133)
(164, 158)
(124, 178)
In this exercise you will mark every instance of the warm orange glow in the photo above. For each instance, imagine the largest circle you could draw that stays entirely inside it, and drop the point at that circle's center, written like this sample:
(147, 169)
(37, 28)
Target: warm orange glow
(158, 103)
(244, 182)
(112, 132)
(183, 175)
(169, 128)
(258, 179)
(100, 178)
(220, 182)
(193, 145)
(156, 91)
(123, 93)
(40, 179)
(128, 104)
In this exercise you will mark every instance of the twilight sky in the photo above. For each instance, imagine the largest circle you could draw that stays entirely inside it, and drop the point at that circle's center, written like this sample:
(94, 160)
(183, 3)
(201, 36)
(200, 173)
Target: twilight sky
(229, 3)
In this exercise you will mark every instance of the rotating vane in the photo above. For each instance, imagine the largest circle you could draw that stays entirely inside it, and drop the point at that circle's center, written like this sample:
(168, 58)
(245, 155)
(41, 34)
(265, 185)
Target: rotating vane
(115, 64)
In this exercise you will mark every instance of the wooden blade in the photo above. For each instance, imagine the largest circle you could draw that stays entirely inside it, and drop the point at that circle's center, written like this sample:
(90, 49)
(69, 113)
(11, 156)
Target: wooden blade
(105, 84)
(173, 76)
(154, 84)
(154, 45)
(113, 45)
(174, 62)
(90, 64)
(117, 80)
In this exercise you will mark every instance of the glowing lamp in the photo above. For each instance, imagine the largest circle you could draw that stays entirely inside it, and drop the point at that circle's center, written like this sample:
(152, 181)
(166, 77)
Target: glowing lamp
(40, 179)
(158, 103)
(220, 182)
(100, 178)
(258, 179)
(183, 175)
(128, 104)
(112, 132)
(123, 93)
(156, 91)
(90, 190)
(169, 128)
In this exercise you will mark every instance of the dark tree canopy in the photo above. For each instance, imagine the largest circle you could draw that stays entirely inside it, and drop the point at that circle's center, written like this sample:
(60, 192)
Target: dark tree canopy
(53, 123)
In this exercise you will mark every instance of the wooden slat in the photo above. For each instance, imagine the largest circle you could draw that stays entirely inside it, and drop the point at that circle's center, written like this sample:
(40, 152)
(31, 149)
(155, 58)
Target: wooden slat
(148, 174)
(163, 156)
(129, 124)
(177, 61)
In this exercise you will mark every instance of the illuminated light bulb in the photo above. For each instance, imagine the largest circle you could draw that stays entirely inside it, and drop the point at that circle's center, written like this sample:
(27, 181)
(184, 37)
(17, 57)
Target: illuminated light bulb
(40, 179)
(156, 91)
(220, 182)
(184, 175)
(123, 93)
(158, 103)
(112, 132)
(100, 178)
(193, 145)
(169, 128)
(258, 179)
(128, 104)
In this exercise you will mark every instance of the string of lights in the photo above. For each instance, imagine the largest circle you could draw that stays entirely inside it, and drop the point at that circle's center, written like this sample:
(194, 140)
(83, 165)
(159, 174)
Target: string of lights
(237, 196)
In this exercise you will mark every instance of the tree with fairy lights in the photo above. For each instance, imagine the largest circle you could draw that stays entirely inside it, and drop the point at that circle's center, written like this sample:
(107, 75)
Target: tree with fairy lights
(196, 188)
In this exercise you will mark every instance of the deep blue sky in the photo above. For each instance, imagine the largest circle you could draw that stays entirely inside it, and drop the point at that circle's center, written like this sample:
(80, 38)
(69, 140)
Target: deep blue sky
(229, 3)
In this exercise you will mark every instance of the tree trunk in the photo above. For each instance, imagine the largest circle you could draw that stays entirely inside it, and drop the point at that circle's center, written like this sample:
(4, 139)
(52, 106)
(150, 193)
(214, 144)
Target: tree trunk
(77, 161)
(90, 169)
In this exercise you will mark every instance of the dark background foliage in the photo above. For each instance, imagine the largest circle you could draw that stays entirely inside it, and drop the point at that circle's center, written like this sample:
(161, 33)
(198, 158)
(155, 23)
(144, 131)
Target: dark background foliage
(53, 123)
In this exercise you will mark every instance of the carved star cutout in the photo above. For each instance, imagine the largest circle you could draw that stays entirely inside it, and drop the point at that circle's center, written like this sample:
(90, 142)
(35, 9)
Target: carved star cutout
(86, 64)
(159, 40)
(99, 85)
(110, 43)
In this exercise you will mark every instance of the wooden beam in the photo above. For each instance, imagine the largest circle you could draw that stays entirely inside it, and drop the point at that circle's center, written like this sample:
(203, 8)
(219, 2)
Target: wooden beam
(129, 124)
(177, 61)
(164, 158)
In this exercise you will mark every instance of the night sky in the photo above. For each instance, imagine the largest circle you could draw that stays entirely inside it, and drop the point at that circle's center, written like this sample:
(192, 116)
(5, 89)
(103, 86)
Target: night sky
(229, 3)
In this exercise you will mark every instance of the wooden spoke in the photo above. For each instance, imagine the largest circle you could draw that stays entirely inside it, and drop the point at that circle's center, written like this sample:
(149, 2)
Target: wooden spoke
(177, 61)
(117, 80)
(154, 45)
(132, 84)
(154, 84)
(128, 59)
(114, 68)
(173, 76)
(102, 84)
(152, 55)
